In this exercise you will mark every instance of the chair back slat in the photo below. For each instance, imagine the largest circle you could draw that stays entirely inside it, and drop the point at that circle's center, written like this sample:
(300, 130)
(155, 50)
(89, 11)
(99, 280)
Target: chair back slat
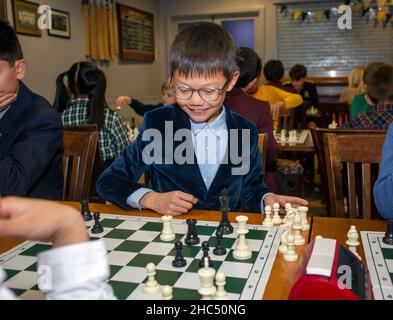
(352, 208)
(262, 145)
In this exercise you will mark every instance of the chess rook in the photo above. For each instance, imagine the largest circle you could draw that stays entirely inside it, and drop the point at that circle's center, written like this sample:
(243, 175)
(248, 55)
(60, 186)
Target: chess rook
(167, 234)
(192, 237)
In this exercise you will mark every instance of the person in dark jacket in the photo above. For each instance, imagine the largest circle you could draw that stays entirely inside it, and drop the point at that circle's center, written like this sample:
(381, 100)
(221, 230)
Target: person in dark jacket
(31, 131)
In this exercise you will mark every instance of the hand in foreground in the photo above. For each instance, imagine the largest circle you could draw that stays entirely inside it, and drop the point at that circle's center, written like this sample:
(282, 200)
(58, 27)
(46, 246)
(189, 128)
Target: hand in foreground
(122, 100)
(270, 200)
(172, 203)
(7, 99)
(41, 221)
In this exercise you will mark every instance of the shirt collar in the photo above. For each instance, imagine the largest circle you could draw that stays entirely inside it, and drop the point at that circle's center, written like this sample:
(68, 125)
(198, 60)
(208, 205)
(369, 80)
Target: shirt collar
(383, 107)
(2, 113)
(218, 124)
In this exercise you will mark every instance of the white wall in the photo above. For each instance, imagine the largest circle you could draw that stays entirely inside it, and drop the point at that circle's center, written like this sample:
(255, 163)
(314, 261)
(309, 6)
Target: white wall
(49, 56)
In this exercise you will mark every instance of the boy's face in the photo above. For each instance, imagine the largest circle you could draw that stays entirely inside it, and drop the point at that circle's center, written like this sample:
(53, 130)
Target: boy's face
(198, 109)
(298, 84)
(168, 97)
(9, 81)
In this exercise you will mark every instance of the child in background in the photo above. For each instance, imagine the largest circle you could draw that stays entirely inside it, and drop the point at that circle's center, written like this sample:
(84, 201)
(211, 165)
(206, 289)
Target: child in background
(355, 85)
(203, 69)
(167, 98)
(82, 102)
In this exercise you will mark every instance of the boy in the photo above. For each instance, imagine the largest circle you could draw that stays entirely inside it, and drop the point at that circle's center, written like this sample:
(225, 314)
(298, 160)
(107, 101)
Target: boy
(31, 132)
(379, 82)
(306, 89)
(257, 111)
(274, 92)
(79, 268)
(203, 69)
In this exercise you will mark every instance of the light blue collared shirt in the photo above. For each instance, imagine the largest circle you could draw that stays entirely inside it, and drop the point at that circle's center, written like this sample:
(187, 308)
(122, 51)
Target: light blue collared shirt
(204, 135)
(2, 113)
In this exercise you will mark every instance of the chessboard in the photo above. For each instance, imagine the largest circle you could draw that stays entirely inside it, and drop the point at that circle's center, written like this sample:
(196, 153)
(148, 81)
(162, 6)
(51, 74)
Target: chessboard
(301, 136)
(379, 258)
(133, 242)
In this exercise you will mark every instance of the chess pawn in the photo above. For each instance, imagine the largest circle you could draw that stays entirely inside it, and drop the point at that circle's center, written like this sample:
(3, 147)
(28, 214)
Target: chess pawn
(167, 293)
(297, 226)
(151, 286)
(267, 222)
(291, 255)
(167, 234)
(276, 216)
(206, 276)
(221, 294)
(353, 241)
(303, 213)
(242, 251)
(283, 137)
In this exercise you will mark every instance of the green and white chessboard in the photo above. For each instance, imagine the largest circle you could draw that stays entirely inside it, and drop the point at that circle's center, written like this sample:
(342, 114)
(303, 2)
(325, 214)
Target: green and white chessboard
(133, 242)
(379, 257)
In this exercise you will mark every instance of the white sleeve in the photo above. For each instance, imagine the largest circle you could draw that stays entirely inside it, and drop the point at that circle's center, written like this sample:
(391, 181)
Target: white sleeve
(75, 272)
(5, 294)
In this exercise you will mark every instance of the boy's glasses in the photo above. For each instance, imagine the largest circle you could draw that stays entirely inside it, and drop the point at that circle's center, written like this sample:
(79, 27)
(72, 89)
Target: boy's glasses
(208, 95)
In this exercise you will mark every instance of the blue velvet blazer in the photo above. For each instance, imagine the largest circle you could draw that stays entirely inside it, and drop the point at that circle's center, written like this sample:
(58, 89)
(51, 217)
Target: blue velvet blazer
(120, 180)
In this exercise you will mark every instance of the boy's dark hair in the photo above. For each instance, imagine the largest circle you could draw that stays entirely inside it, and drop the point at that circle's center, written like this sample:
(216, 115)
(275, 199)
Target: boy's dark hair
(203, 48)
(250, 65)
(83, 79)
(297, 72)
(273, 70)
(10, 48)
(369, 69)
(380, 84)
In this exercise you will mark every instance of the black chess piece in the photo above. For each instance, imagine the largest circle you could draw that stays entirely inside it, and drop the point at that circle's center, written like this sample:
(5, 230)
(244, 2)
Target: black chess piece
(225, 225)
(205, 249)
(85, 211)
(219, 250)
(179, 261)
(388, 239)
(97, 228)
(192, 237)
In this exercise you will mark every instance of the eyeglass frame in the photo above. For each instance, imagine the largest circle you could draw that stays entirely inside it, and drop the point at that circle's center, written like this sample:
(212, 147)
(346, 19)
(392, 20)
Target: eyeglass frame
(219, 91)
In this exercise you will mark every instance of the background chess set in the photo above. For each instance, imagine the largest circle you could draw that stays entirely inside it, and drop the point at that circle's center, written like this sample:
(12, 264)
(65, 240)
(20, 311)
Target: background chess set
(301, 136)
(134, 242)
(379, 257)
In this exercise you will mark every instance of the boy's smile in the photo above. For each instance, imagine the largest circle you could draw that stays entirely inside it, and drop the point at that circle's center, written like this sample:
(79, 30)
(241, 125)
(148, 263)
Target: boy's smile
(198, 109)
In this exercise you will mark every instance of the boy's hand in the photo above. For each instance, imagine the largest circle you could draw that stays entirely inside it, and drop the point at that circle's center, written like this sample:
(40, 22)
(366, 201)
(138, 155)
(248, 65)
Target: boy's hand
(7, 99)
(270, 200)
(122, 100)
(275, 109)
(172, 203)
(41, 221)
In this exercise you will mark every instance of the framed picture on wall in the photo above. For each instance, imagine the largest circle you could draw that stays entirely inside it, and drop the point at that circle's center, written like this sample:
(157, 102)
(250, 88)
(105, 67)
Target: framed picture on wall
(60, 24)
(3, 10)
(136, 34)
(26, 17)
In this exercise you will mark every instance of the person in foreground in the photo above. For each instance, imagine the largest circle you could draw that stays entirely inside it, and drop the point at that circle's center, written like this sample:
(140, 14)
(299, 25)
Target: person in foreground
(197, 148)
(79, 267)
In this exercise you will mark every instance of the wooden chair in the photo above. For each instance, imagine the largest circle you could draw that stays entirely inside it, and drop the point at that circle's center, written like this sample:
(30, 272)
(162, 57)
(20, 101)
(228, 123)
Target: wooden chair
(80, 146)
(317, 136)
(262, 145)
(343, 152)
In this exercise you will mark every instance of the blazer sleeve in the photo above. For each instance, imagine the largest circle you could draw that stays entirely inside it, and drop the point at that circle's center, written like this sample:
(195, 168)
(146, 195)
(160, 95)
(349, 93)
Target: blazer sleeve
(141, 108)
(254, 187)
(383, 188)
(31, 156)
(120, 180)
(314, 96)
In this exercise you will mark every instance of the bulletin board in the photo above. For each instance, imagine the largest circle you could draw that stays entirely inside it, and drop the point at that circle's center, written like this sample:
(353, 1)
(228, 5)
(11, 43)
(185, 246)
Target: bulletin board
(136, 34)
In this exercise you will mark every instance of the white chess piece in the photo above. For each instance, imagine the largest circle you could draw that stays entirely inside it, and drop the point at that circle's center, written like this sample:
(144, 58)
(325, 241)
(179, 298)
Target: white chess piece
(206, 277)
(283, 244)
(167, 293)
(167, 230)
(297, 226)
(276, 216)
(221, 294)
(353, 241)
(303, 213)
(267, 222)
(151, 286)
(291, 255)
(283, 137)
(242, 251)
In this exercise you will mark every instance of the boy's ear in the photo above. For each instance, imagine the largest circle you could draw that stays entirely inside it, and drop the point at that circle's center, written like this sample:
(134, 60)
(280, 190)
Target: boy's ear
(234, 79)
(20, 67)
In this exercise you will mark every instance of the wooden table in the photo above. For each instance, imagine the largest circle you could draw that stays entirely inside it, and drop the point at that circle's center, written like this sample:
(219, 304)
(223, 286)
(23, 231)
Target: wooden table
(283, 272)
(337, 228)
